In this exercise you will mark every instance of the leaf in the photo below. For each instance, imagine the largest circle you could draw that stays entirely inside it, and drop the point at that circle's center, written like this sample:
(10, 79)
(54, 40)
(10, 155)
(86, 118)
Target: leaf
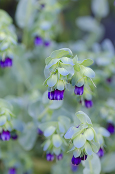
(2, 120)
(95, 147)
(60, 85)
(47, 60)
(88, 148)
(63, 71)
(52, 80)
(83, 117)
(49, 131)
(76, 153)
(89, 135)
(79, 141)
(52, 62)
(71, 131)
(59, 53)
(104, 132)
(87, 62)
(56, 140)
(67, 60)
(100, 8)
(45, 125)
(61, 127)
(47, 144)
(68, 67)
(56, 104)
(57, 151)
(108, 163)
(88, 72)
(65, 121)
(18, 125)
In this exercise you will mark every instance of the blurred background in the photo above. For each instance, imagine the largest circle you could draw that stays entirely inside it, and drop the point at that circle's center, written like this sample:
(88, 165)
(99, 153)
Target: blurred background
(88, 29)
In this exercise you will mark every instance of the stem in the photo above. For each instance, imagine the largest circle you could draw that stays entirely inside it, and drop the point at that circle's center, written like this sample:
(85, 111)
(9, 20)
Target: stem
(43, 113)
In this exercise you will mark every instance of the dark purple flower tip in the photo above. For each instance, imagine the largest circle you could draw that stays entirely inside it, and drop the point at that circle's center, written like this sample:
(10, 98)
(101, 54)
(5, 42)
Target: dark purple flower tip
(60, 156)
(49, 157)
(79, 90)
(51, 95)
(76, 161)
(42, 6)
(74, 168)
(5, 135)
(6, 63)
(47, 43)
(38, 41)
(88, 103)
(84, 157)
(109, 79)
(100, 153)
(14, 135)
(40, 132)
(12, 171)
(111, 128)
(58, 95)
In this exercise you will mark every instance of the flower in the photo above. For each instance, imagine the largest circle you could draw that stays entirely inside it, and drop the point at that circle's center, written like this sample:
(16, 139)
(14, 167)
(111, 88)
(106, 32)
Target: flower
(14, 135)
(100, 153)
(79, 90)
(47, 43)
(42, 6)
(88, 103)
(56, 95)
(60, 156)
(6, 63)
(49, 157)
(74, 168)
(12, 171)
(5, 135)
(84, 157)
(109, 79)
(76, 161)
(38, 41)
(111, 128)
(40, 132)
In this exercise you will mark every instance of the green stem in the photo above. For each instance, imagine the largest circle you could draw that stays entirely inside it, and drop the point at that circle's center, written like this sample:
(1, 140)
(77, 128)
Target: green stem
(43, 113)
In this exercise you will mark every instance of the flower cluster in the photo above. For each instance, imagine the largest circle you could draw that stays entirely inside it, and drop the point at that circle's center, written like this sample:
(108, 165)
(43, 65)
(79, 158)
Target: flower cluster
(62, 69)
(6, 118)
(7, 40)
(83, 138)
(55, 143)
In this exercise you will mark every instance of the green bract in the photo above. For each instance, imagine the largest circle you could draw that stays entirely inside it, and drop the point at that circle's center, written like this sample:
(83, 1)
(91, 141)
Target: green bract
(84, 138)
(6, 116)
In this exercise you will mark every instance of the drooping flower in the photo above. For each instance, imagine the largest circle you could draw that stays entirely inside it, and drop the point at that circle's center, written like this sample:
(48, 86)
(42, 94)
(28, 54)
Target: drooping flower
(60, 156)
(40, 132)
(74, 168)
(5, 135)
(100, 153)
(111, 128)
(109, 79)
(51, 95)
(49, 157)
(38, 41)
(14, 135)
(84, 157)
(56, 95)
(79, 90)
(47, 43)
(76, 161)
(42, 6)
(88, 103)
(6, 63)
(12, 170)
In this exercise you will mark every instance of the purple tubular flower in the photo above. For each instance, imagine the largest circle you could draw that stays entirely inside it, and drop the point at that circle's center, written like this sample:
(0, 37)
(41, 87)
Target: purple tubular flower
(58, 95)
(60, 156)
(5, 135)
(79, 90)
(76, 161)
(100, 153)
(111, 128)
(47, 43)
(14, 135)
(84, 157)
(109, 79)
(49, 157)
(88, 103)
(40, 132)
(42, 6)
(12, 171)
(74, 168)
(38, 41)
(6, 63)
(51, 95)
